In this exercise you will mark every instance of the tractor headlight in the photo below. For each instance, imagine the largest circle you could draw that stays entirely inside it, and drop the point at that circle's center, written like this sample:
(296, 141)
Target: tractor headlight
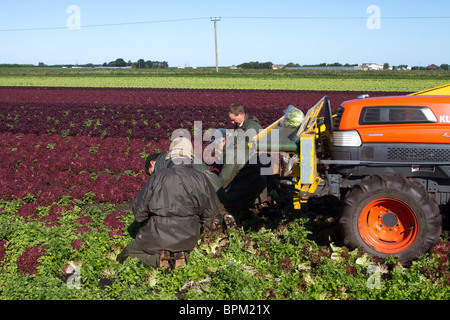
(348, 138)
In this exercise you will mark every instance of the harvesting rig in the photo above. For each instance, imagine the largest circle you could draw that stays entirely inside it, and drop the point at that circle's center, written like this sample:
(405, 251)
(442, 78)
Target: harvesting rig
(387, 161)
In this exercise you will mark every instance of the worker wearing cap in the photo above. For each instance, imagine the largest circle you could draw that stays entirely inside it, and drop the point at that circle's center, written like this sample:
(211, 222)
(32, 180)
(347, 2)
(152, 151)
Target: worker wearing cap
(162, 160)
(170, 208)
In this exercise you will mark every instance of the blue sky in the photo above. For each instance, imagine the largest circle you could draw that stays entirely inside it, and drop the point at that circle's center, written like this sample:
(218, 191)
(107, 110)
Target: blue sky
(305, 32)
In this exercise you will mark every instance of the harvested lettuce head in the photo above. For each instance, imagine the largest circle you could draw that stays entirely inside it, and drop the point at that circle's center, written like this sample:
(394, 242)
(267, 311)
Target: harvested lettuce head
(293, 117)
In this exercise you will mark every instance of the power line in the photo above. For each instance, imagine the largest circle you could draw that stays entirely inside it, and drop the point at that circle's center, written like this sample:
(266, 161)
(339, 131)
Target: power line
(339, 18)
(231, 17)
(107, 24)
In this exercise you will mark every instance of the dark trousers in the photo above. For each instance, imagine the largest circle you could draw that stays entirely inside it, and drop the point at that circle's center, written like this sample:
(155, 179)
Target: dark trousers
(134, 251)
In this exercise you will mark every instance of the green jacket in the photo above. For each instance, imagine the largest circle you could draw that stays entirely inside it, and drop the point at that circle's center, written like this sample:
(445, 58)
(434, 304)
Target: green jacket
(234, 157)
(250, 122)
(162, 163)
(236, 153)
(170, 207)
(241, 171)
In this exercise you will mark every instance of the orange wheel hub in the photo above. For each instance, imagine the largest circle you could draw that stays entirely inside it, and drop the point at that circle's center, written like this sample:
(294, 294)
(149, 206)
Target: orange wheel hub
(388, 224)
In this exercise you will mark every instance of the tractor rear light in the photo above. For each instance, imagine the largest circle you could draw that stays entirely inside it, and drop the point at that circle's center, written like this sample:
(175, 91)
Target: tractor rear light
(348, 138)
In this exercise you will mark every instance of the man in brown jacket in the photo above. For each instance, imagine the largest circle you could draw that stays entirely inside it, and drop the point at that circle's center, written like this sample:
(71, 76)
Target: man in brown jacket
(171, 208)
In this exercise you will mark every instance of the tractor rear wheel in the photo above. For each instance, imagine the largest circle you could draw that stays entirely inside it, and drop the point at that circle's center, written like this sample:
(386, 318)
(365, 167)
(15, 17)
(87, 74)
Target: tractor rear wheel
(390, 215)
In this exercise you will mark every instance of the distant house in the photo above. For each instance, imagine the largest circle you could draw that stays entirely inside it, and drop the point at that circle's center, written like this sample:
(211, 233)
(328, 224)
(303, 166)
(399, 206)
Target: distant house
(371, 66)
(277, 66)
(433, 67)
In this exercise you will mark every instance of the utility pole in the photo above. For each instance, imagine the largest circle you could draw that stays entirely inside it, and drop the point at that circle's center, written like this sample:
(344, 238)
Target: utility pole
(215, 38)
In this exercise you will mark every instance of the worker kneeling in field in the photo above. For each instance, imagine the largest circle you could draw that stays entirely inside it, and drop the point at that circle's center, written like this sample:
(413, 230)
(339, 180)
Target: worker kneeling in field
(170, 208)
(156, 162)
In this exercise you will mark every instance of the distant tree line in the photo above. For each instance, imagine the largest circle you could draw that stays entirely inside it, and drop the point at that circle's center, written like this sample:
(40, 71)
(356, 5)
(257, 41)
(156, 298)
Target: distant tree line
(148, 64)
(15, 65)
(335, 64)
(140, 64)
(256, 65)
(443, 66)
(268, 65)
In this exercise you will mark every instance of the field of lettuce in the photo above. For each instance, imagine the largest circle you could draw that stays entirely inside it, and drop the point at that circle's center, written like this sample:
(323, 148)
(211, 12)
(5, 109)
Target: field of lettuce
(227, 79)
(72, 160)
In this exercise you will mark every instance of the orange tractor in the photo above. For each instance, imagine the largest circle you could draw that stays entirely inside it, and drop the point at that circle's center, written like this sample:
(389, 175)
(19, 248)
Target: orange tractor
(386, 159)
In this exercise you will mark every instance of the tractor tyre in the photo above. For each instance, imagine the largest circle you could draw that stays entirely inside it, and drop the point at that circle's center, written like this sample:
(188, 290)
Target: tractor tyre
(390, 215)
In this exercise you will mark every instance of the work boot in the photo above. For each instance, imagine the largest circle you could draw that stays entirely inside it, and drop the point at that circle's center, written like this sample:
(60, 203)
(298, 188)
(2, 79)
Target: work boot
(164, 259)
(179, 259)
(229, 221)
(217, 225)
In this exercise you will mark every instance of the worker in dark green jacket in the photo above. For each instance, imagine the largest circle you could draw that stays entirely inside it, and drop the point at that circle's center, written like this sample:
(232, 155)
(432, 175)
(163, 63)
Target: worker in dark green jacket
(162, 160)
(240, 172)
(242, 120)
(170, 209)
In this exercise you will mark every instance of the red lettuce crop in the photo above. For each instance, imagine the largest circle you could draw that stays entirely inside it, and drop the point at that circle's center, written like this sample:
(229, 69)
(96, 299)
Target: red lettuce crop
(71, 142)
(2, 250)
(148, 114)
(28, 263)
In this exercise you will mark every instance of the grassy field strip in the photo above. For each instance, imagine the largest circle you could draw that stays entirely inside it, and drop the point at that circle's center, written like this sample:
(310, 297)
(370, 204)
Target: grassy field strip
(332, 84)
